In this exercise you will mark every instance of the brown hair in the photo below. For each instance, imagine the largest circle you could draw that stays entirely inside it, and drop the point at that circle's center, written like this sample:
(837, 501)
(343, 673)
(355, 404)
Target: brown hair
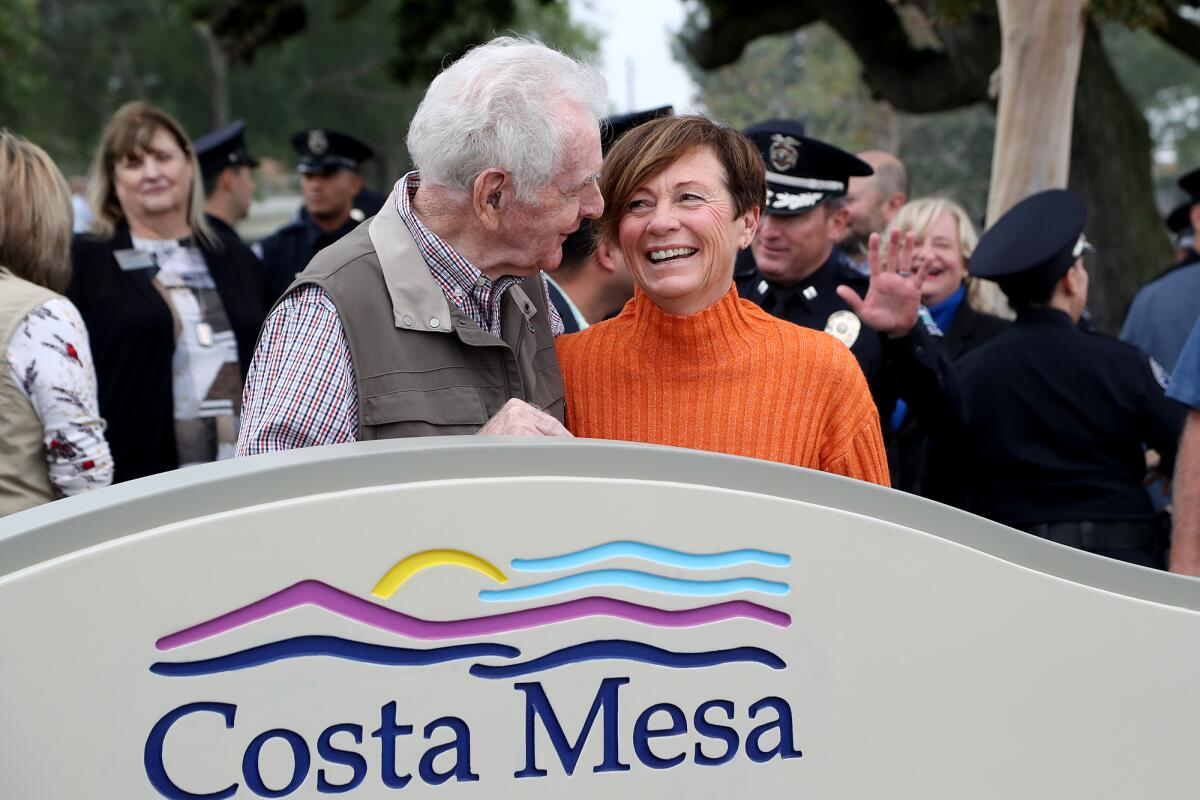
(132, 128)
(35, 214)
(650, 148)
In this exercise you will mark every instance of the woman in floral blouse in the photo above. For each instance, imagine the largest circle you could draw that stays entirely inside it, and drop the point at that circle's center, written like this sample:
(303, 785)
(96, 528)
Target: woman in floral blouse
(51, 435)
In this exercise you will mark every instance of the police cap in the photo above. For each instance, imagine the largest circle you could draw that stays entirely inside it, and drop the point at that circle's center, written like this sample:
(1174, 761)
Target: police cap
(1033, 244)
(325, 150)
(616, 126)
(1180, 218)
(223, 148)
(802, 172)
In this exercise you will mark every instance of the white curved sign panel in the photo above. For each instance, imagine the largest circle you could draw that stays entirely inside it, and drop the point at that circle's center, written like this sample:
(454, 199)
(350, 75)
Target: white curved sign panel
(539, 631)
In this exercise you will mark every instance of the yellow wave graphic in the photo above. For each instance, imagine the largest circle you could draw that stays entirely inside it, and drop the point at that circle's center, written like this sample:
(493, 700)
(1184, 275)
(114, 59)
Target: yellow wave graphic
(411, 565)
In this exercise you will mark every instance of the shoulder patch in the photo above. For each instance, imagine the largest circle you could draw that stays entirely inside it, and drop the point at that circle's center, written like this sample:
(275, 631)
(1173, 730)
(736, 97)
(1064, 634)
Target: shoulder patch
(844, 326)
(1160, 375)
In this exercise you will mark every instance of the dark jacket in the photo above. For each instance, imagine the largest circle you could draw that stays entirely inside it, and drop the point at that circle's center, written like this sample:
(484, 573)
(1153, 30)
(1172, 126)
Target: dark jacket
(133, 341)
(910, 452)
(1056, 421)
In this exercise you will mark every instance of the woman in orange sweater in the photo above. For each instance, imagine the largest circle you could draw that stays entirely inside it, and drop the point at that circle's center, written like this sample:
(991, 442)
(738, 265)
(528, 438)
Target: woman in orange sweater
(687, 362)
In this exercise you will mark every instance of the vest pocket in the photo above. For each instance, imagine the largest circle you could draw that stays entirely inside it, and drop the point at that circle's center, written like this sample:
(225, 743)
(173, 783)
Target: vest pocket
(450, 405)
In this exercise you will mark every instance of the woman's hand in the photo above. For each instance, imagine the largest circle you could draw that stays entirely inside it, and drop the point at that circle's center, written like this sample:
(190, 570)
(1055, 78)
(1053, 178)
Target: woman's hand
(894, 296)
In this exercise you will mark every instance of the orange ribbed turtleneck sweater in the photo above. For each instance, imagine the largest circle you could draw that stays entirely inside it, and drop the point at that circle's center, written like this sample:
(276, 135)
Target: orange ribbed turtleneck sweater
(730, 379)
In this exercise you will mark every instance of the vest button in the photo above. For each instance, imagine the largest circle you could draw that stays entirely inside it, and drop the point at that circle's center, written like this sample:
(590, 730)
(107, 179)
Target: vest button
(407, 320)
(435, 323)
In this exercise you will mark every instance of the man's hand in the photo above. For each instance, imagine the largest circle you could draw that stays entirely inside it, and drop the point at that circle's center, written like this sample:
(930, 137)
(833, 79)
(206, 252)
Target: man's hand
(518, 418)
(894, 296)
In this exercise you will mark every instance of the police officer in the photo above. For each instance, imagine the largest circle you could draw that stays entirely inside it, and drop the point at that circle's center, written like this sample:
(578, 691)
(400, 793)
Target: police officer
(1053, 439)
(794, 265)
(329, 181)
(1163, 312)
(228, 171)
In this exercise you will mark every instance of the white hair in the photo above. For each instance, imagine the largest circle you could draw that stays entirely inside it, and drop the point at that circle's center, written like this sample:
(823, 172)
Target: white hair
(501, 105)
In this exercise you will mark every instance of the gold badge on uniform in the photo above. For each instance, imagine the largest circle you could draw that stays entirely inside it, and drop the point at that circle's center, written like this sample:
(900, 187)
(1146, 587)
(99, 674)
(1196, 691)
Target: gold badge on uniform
(844, 326)
(318, 143)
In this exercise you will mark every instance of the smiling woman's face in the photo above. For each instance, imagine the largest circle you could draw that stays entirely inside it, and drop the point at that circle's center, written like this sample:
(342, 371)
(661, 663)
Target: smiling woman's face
(679, 236)
(939, 249)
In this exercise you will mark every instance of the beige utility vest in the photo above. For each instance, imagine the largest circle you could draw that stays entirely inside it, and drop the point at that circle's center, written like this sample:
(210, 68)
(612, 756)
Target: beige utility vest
(24, 475)
(423, 367)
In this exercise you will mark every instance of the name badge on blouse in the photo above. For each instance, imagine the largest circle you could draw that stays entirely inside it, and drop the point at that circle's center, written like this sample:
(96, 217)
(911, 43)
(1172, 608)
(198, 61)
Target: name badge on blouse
(131, 260)
(204, 334)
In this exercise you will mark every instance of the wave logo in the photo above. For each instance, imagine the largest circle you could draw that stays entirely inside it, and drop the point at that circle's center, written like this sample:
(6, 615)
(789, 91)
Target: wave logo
(584, 574)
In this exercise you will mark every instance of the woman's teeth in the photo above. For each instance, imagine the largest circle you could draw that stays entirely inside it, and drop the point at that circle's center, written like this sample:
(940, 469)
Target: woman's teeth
(663, 255)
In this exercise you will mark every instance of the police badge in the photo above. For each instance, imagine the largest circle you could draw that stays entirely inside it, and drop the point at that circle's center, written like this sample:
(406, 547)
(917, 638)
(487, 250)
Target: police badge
(844, 326)
(784, 152)
(318, 143)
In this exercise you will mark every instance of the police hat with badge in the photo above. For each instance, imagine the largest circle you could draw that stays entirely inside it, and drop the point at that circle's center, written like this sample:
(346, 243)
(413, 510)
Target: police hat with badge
(802, 172)
(223, 148)
(323, 150)
(1033, 245)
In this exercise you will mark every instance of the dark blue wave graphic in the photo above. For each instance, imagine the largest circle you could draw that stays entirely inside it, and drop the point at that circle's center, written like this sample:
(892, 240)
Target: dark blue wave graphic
(334, 646)
(629, 651)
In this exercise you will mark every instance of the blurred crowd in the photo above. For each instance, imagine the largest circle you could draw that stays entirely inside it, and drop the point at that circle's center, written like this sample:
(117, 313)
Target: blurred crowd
(546, 271)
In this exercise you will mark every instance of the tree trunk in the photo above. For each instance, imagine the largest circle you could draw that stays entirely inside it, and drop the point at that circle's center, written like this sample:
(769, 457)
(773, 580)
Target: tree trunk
(1039, 66)
(1111, 170)
(218, 66)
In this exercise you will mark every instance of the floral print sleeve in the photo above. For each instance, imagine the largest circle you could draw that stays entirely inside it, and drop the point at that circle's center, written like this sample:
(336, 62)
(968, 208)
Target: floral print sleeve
(51, 362)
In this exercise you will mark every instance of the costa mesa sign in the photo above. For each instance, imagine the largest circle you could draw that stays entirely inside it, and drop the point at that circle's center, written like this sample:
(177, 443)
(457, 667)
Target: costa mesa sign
(456, 617)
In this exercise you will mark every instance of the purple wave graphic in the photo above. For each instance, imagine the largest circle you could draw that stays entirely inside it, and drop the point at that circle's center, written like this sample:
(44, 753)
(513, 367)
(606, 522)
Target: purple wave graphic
(344, 604)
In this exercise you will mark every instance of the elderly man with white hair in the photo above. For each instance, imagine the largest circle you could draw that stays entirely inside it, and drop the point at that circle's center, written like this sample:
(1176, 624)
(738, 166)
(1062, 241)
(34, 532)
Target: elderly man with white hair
(432, 317)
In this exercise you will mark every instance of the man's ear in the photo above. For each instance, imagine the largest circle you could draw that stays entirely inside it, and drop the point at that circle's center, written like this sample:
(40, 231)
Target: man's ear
(359, 183)
(896, 202)
(837, 224)
(226, 180)
(1194, 216)
(491, 195)
(1073, 280)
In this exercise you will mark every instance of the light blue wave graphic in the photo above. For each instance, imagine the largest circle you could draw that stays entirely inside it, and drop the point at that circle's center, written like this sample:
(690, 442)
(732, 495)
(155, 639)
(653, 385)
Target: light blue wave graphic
(633, 579)
(648, 552)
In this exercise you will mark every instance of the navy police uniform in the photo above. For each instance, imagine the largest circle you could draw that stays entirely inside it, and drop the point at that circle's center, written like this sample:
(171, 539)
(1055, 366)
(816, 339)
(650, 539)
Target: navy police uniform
(288, 250)
(802, 173)
(218, 151)
(1057, 416)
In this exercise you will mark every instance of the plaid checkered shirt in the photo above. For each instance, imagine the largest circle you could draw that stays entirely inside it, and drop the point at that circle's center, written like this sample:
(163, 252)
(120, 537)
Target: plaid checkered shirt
(300, 388)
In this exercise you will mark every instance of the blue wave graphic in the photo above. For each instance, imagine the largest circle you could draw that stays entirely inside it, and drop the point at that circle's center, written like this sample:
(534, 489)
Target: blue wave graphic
(334, 646)
(629, 651)
(648, 552)
(635, 580)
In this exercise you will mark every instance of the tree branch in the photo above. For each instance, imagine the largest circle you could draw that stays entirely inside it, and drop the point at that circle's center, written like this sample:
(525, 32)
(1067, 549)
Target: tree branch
(1180, 33)
(730, 29)
(911, 78)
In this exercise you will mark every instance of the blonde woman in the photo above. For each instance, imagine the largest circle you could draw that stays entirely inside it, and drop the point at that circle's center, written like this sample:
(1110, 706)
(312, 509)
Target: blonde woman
(173, 309)
(51, 435)
(944, 241)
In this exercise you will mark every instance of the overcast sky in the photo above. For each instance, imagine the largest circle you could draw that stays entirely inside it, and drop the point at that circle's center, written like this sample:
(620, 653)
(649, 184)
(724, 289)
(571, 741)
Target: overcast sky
(636, 52)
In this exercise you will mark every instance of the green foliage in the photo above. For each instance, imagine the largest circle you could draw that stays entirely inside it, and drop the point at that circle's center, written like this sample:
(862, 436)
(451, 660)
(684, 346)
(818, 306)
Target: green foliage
(1166, 85)
(84, 59)
(19, 81)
